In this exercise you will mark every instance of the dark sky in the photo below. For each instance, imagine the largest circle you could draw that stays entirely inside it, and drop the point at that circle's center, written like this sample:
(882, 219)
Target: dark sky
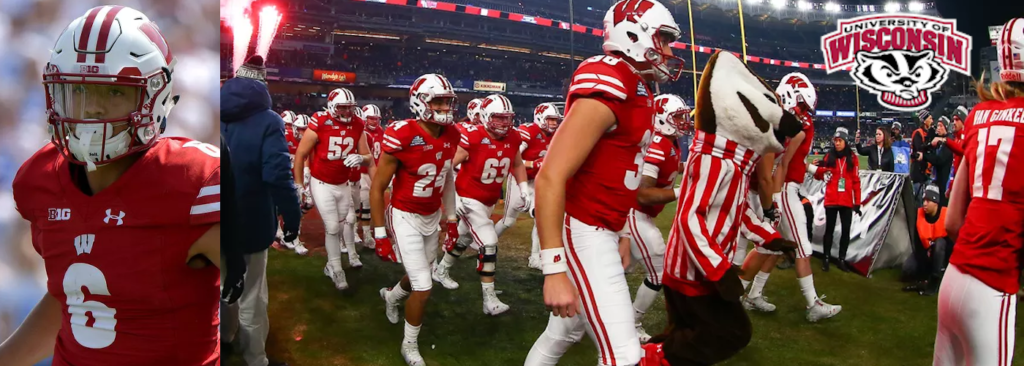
(975, 16)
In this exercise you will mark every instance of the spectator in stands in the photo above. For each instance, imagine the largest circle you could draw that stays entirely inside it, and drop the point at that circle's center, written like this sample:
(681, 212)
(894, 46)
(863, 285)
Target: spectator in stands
(263, 184)
(920, 145)
(839, 170)
(940, 157)
(937, 247)
(880, 152)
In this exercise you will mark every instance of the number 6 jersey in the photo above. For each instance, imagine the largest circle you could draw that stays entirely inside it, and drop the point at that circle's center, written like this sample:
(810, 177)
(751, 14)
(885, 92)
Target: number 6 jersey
(335, 141)
(604, 188)
(116, 260)
(425, 160)
(490, 161)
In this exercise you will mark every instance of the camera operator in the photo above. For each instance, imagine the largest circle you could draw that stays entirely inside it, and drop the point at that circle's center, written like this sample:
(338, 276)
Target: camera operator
(921, 145)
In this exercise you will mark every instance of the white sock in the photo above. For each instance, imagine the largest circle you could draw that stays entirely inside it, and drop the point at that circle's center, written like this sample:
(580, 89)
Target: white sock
(807, 288)
(411, 333)
(396, 294)
(447, 261)
(644, 298)
(488, 287)
(366, 233)
(746, 284)
(759, 281)
(333, 245)
(499, 227)
(348, 234)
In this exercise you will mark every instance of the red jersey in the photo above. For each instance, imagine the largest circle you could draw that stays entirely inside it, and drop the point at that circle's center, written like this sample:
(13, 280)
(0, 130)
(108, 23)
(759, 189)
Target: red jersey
(536, 140)
(991, 240)
(604, 187)
(847, 169)
(662, 164)
(116, 260)
(335, 141)
(373, 138)
(488, 164)
(419, 181)
(797, 169)
(289, 136)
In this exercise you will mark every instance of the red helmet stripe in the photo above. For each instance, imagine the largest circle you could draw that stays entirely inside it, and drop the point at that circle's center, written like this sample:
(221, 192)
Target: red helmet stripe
(101, 42)
(83, 40)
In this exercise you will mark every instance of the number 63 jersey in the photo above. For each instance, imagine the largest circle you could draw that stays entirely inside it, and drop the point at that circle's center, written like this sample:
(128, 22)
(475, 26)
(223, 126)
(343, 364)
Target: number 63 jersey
(116, 261)
(604, 188)
(990, 243)
(425, 161)
(489, 163)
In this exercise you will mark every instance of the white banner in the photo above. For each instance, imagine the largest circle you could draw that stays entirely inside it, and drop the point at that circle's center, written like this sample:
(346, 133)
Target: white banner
(993, 33)
(880, 195)
(489, 86)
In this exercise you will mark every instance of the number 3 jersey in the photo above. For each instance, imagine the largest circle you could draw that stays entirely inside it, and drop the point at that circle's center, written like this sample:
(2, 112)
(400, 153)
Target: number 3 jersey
(425, 161)
(116, 261)
(489, 163)
(604, 187)
(990, 244)
(335, 141)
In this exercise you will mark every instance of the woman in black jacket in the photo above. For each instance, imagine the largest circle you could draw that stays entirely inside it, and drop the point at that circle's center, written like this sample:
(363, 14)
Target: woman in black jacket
(880, 154)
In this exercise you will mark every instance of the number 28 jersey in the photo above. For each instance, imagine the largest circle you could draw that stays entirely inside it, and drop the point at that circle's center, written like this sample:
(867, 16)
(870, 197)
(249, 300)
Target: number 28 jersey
(425, 161)
(489, 163)
(604, 187)
(991, 241)
(335, 141)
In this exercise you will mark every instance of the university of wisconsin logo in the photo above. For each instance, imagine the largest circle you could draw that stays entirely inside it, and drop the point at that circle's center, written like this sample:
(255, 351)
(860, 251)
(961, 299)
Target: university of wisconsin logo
(630, 10)
(901, 58)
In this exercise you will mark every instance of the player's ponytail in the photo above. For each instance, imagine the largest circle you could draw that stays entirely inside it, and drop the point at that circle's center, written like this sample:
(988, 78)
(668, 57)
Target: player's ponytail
(998, 90)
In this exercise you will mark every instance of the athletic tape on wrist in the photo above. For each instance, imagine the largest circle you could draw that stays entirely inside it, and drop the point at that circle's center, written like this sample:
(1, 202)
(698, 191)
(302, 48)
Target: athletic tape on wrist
(379, 233)
(553, 261)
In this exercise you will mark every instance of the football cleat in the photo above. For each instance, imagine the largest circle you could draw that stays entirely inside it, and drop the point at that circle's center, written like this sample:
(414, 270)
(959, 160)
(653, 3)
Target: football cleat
(300, 248)
(822, 310)
(642, 334)
(493, 306)
(353, 261)
(338, 277)
(411, 354)
(390, 309)
(440, 275)
(759, 303)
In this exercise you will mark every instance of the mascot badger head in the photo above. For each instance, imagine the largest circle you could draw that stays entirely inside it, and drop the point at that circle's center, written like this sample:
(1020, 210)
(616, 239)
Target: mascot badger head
(735, 103)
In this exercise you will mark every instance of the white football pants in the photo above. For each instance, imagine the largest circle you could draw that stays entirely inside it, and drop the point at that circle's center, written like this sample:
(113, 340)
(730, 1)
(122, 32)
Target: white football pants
(334, 202)
(415, 239)
(976, 322)
(793, 226)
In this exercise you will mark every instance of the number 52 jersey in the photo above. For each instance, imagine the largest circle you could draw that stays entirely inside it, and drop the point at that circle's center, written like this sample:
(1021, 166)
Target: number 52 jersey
(116, 261)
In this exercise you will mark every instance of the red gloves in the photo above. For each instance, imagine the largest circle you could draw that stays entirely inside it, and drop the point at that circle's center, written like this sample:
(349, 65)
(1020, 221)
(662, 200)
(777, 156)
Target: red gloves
(451, 235)
(384, 249)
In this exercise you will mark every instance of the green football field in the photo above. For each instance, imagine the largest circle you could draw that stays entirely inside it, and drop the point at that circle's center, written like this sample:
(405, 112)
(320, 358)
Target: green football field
(313, 324)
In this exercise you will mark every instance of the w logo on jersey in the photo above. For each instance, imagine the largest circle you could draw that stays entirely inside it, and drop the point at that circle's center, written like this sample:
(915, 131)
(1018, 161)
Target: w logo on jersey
(630, 10)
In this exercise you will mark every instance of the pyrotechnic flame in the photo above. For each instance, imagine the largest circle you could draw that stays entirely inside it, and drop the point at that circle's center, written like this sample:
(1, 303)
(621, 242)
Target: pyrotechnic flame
(270, 18)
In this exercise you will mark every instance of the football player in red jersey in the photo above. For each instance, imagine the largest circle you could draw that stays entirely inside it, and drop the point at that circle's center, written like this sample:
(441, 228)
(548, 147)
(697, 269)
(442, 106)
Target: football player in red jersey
(589, 182)
(127, 222)
(799, 97)
(374, 132)
(535, 136)
(489, 153)
(292, 137)
(335, 145)
(977, 306)
(661, 165)
(418, 154)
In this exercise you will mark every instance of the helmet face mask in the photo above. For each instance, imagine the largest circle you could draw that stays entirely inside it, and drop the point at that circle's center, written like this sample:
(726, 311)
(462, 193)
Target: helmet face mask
(432, 99)
(642, 30)
(343, 112)
(548, 116)
(671, 116)
(551, 124)
(497, 114)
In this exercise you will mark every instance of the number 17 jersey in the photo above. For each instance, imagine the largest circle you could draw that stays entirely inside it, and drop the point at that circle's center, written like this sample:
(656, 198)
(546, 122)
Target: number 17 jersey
(488, 164)
(424, 163)
(604, 187)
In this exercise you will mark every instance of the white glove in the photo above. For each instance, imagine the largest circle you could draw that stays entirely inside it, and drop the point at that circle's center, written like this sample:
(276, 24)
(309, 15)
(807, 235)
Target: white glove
(679, 191)
(460, 208)
(354, 160)
(526, 195)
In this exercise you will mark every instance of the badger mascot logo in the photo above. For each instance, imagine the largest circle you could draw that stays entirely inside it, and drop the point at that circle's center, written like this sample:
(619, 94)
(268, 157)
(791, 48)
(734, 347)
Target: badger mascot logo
(903, 80)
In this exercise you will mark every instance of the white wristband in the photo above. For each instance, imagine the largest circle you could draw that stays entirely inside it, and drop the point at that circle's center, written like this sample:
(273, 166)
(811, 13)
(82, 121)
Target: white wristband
(553, 261)
(379, 233)
(523, 187)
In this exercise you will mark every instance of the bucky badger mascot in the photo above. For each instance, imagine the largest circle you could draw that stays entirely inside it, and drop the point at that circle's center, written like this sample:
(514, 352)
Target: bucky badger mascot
(738, 119)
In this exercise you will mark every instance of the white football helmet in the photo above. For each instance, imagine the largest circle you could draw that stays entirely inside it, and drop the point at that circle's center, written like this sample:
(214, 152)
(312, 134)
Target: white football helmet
(1010, 48)
(496, 113)
(638, 29)
(371, 116)
(427, 88)
(299, 125)
(795, 88)
(547, 116)
(288, 117)
(341, 105)
(108, 86)
(473, 111)
(671, 115)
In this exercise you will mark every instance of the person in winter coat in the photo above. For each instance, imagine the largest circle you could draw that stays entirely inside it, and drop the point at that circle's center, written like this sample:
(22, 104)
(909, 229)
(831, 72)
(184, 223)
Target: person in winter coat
(900, 150)
(940, 157)
(879, 155)
(839, 170)
(263, 185)
(955, 142)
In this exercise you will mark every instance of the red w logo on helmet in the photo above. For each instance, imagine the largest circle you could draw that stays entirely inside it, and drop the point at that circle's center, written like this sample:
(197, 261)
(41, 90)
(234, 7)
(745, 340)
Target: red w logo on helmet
(659, 105)
(486, 102)
(417, 85)
(540, 109)
(796, 82)
(334, 93)
(630, 10)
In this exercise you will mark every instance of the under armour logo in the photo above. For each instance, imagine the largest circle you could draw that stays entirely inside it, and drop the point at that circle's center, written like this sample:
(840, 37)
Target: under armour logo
(118, 217)
(447, 145)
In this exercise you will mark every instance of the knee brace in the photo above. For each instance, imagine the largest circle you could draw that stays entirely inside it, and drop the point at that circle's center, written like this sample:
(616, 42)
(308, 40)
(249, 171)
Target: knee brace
(351, 217)
(364, 214)
(486, 260)
(650, 285)
(332, 227)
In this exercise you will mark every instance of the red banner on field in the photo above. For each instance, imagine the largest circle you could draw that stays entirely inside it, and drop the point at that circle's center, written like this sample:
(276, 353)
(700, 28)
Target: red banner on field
(334, 76)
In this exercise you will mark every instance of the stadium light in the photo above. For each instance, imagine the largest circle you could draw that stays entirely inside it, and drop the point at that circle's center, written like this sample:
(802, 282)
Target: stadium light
(778, 3)
(803, 5)
(915, 6)
(832, 7)
(892, 7)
